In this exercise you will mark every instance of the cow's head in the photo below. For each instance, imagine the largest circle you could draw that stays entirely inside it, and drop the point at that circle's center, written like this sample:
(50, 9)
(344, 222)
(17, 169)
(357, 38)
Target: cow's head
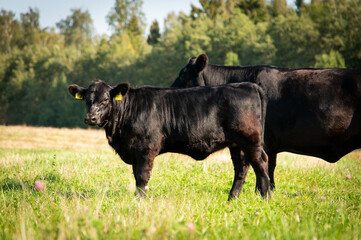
(190, 75)
(100, 99)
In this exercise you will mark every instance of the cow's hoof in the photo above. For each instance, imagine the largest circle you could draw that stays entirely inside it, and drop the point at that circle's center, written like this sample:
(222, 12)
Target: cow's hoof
(141, 193)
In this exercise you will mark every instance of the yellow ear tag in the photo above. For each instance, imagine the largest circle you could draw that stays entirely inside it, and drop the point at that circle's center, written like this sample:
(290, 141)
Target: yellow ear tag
(78, 96)
(119, 97)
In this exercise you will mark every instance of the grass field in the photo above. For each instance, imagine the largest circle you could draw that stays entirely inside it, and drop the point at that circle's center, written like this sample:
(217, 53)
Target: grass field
(89, 194)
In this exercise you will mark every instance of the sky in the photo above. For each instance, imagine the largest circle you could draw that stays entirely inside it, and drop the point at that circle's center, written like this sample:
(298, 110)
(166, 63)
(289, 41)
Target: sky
(52, 11)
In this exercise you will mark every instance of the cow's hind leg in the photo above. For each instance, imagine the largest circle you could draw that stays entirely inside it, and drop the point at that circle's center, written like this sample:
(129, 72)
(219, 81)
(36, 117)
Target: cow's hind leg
(258, 178)
(241, 166)
(259, 161)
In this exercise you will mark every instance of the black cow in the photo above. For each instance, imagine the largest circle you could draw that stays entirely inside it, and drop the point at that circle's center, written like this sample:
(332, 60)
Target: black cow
(314, 112)
(145, 122)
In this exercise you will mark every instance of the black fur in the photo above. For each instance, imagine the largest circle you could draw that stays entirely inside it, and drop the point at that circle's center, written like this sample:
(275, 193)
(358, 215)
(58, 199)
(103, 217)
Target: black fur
(314, 112)
(197, 122)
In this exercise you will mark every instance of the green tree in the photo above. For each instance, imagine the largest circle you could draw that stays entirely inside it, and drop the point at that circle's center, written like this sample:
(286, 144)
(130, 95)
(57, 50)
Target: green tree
(154, 35)
(234, 33)
(250, 42)
(171, 21)
(9, 28)
(296, 39)
(30, 26)
(328, 18)
(231, 59)
(332, 60)
(126, 15)
(278, 7)
(211, 8)
(338, 23)
(254, 9)
(350, 30)
(76, 28)
(134, 26)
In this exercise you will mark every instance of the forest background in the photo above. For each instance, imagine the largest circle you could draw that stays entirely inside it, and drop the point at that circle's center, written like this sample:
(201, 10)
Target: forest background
(37, 65)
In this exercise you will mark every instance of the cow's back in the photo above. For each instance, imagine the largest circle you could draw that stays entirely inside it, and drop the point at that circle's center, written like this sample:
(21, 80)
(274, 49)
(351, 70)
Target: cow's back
(197, 121)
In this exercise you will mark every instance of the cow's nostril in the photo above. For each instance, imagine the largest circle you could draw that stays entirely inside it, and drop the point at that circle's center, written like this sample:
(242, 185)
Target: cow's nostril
(93, 119)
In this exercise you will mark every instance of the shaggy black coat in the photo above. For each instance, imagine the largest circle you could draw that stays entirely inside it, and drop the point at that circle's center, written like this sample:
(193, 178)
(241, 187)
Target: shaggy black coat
(146, 122)
(314, 112)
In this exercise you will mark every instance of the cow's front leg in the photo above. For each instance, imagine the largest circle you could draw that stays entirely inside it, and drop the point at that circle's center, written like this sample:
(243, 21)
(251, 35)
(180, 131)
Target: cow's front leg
(142, 169)
(241, 166)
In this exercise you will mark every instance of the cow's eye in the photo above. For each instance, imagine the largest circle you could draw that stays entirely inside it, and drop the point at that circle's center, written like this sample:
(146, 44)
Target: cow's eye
(105, 101)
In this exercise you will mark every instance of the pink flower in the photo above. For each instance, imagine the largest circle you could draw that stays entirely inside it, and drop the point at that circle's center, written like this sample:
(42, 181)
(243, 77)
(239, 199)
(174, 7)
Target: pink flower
(191, 227)
(39, 186)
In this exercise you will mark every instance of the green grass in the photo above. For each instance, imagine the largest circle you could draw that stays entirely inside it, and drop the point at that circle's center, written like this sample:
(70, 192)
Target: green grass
(90, 194)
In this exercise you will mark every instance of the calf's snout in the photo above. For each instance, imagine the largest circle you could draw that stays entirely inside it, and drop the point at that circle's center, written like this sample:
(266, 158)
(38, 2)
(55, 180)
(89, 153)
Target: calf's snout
(90, 120)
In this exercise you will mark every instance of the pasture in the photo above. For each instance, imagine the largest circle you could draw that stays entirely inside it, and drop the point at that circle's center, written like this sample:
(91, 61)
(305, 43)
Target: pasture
(89, 193)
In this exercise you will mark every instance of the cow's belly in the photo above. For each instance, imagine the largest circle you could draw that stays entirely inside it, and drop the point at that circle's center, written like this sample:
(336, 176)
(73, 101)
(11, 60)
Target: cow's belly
(327, 135)
(200, 154)
(197, 148)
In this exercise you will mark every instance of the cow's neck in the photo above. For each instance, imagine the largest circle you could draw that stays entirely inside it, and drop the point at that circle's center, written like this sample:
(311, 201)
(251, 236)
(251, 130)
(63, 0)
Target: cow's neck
(216, 74)
(114, 120)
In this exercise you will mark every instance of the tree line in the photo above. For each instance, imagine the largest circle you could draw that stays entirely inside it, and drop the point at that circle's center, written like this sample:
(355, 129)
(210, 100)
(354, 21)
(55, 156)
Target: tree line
(37, 65)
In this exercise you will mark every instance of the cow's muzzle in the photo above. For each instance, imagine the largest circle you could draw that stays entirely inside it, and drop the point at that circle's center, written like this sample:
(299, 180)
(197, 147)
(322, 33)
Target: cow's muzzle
(90, 120)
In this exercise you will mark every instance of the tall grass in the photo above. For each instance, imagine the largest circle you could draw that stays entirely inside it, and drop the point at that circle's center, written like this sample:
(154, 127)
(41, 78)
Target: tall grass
(89, 194)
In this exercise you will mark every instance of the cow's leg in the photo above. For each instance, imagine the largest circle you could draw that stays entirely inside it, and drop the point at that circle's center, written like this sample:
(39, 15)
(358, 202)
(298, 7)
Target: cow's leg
(271, 168)
(241, 166)
(259, 161)
(258, 179)
(142, 169)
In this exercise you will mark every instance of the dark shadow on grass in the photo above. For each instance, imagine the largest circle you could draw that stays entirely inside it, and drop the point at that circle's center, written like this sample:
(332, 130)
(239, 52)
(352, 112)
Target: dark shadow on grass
(11, 184)
(58, 186)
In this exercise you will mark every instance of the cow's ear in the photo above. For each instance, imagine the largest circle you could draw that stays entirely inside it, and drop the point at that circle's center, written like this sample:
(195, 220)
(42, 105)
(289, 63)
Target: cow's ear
(191, 60)
(119, 91)
(76, 91)
(201, 62)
